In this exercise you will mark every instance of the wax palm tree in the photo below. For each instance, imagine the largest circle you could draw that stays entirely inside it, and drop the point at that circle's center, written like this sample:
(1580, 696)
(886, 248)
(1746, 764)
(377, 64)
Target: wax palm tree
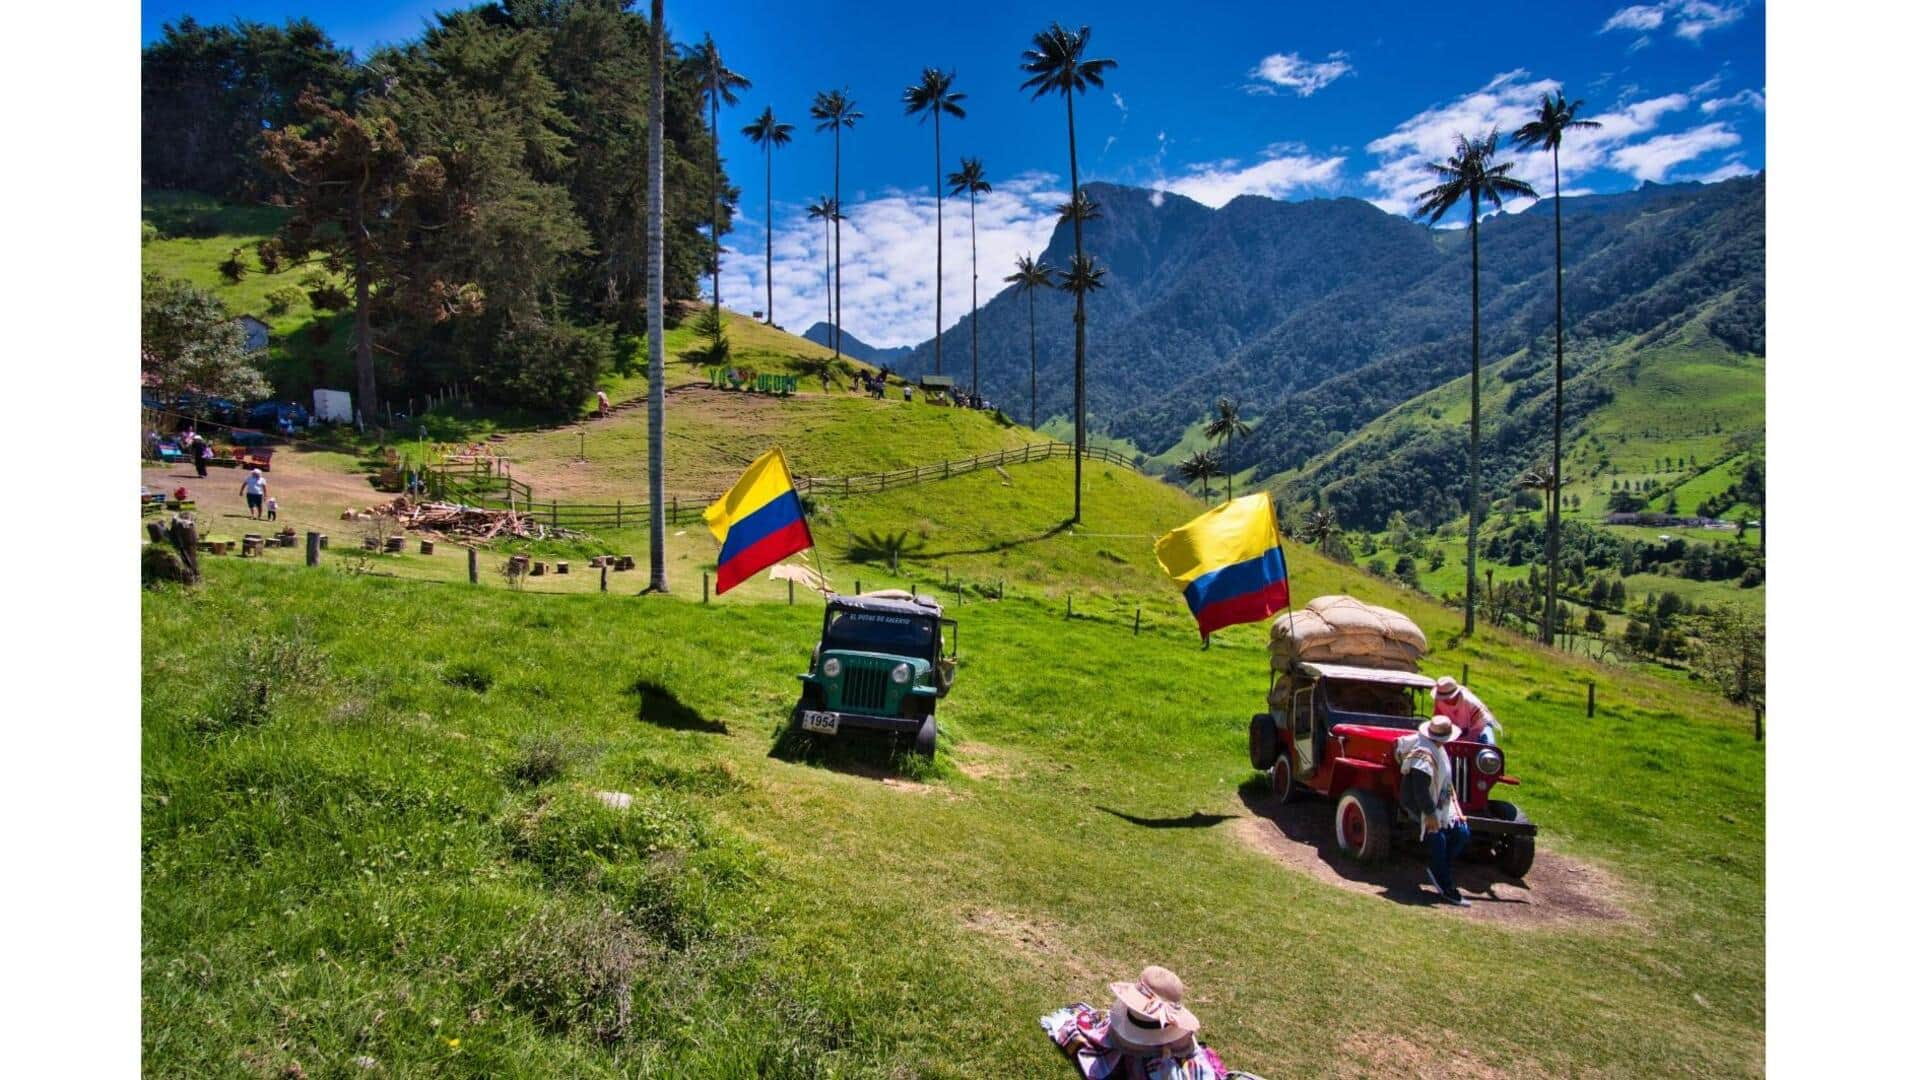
(931, 96)
(1320, 528)
(767, 133)
(1549, 126)
(1080, 208)
(718, 85)
(1030, 275)
(1057, 63)
(1473, 175)
(826, 210)
(971, 180)
(656, 308)
(832, 110)
(1201, 466)
(1226, 423)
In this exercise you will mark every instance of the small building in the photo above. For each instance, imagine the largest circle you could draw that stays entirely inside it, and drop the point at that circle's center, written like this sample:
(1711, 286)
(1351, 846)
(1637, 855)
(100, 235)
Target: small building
(256, 332)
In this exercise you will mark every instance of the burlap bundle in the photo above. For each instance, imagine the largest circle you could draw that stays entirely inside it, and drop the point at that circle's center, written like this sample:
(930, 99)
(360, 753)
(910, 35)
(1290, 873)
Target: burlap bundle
(1343, 630)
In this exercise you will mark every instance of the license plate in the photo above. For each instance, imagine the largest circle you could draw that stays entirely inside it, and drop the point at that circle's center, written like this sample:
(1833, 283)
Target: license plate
(822, 723)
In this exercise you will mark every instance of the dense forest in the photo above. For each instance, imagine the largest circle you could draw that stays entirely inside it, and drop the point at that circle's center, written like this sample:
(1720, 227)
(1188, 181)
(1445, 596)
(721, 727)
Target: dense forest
(476, 196)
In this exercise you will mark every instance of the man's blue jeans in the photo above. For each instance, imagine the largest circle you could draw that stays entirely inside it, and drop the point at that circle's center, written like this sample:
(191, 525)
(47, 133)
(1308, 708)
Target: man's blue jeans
(1444, 846)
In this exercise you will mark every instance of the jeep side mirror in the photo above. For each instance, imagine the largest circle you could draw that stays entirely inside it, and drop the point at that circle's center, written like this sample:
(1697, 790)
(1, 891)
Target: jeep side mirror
(950, 639)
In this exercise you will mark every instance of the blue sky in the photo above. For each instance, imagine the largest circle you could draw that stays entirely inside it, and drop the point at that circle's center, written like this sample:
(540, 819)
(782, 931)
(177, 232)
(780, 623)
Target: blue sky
(1211, 99)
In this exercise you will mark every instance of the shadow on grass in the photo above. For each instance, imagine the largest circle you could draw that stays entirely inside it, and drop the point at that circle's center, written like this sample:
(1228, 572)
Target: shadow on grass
(872, 755)
(1194, 820)
(1004, 545)
(1401, 876)
(879, 547)
(660, 707)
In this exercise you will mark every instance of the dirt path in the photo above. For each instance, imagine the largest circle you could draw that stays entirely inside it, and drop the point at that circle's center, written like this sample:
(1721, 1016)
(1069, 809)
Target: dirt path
(1558, 892)
(311, 495)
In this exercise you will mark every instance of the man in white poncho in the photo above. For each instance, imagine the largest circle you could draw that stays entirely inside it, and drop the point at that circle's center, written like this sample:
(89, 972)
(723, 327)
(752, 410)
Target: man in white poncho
(1426, 791)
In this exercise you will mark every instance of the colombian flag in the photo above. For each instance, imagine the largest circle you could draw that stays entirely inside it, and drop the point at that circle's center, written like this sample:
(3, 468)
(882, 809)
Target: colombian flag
(1230, 562)
(758, 522)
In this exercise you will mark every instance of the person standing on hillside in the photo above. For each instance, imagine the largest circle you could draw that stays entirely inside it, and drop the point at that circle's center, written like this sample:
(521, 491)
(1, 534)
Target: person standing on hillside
(202, 453)
(606, 407)
(1467, 711)
(1426, 792)
(255, 489)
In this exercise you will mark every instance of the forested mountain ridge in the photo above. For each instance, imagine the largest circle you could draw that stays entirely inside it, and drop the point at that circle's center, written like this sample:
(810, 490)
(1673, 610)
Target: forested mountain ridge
(1323, 315)
(821, 333)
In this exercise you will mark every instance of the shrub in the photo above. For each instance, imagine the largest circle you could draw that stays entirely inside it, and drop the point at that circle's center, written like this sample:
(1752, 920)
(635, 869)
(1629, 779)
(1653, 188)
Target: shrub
(573, 970)
(281, 300)
(550, 367)
(541, 758)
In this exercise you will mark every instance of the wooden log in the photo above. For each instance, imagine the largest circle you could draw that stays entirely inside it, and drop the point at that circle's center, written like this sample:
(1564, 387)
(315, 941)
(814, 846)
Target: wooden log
(426, 547)
(323, 541)
(473, 566)
(185, 538)
(313, 549)
(559, 567)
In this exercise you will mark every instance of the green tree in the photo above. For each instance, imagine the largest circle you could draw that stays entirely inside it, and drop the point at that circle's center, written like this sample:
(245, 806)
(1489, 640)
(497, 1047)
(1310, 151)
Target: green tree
(826, 210)
(1029, 275)
(1057, 63)
(1408, 571)
(1471, 174)
(833, 110)
(931, 96)
(1595, 623)
(188, 341)
(767, 133)
(971, 180)
(1081, 278)
(1225, 424)
(1201, 467)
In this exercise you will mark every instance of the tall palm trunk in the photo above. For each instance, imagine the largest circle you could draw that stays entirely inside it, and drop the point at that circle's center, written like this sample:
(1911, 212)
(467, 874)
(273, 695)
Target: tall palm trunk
(826, 272)
(769, 232)
(1079, 322)
(1033, 368)
(1559, 357)
(939, 240)
(837, 299)
(362, 318)
(714, 187)
(973, 229)
(656, 310)
(1473, 422)
(1229, 466)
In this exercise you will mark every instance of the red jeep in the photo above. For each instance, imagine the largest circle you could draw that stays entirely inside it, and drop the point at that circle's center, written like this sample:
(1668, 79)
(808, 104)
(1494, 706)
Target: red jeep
(1332, 732)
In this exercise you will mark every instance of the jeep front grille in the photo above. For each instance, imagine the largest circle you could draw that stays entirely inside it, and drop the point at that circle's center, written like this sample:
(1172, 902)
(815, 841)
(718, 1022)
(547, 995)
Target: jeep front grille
(866, 685)
(1462, 766)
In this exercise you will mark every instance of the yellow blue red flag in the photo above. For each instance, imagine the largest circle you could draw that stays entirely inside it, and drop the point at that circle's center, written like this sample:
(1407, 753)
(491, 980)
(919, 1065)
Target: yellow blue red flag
(1229, 562)
(759, 521)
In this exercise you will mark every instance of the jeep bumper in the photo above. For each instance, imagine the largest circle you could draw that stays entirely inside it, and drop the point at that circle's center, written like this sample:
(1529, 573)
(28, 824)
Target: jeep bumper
(898, 725)
(1492, 826)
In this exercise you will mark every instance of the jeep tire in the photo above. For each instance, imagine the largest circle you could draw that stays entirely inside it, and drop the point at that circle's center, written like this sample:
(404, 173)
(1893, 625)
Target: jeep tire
(1285, 787)
(1361, 825)
(1263, 741)
(1515, 853)
(924, 739)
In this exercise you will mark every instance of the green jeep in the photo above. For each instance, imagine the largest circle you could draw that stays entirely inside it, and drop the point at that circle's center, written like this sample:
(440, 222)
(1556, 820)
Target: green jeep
(884, 660)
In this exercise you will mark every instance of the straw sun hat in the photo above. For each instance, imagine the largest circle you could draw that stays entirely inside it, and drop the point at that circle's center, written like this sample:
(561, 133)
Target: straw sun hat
(1440, 729)
(1446, 687)
(1147, 1014)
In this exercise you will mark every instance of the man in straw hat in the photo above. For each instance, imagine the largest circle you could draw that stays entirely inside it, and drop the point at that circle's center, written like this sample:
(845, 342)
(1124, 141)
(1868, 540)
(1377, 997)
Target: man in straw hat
(1426, 791)
(1148, 1034)
(1465, 709)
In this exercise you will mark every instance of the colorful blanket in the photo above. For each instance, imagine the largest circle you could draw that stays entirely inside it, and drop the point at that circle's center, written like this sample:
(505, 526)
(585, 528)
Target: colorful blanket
(1080, 1030)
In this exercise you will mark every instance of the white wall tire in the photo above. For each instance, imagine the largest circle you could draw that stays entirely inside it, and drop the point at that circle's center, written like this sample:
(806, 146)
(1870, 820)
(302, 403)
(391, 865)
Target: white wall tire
(1361, 826)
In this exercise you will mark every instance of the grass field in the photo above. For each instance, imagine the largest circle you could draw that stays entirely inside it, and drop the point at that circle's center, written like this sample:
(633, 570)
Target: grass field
(357, 853)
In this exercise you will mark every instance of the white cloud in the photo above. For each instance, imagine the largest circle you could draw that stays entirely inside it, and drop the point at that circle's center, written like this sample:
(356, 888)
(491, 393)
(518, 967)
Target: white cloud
(1753, 98)
(1276, 176)
(1654, 158)
(887, 267)
(1508, 101)
(1121, 104)
(1688, 18)
(1291, 71)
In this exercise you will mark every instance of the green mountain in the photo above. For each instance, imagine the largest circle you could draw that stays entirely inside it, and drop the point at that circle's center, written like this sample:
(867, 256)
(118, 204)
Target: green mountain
(1324, 316)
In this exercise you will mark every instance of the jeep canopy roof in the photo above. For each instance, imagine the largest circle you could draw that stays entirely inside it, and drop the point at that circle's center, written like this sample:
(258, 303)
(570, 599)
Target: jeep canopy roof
(890, 602)
(1360, 674)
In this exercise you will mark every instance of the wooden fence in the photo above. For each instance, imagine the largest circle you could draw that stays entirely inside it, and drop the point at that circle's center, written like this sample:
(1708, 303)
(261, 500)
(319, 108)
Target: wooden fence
(476, 484)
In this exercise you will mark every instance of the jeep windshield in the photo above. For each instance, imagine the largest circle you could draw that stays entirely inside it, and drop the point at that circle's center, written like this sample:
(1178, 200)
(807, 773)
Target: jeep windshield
(1371, 703)
(880, 632)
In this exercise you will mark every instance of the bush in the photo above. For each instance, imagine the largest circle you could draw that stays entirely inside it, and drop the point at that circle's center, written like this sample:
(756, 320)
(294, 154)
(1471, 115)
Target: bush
(541, 758)
(1594, 623)
(281, 300)
(573, 970)
(548, 368)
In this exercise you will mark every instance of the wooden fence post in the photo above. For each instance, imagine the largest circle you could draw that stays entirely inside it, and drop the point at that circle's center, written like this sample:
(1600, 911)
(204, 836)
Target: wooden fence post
(676, 510)
(1069, 605)
(1589, 699)
(1463, 673)
(856, 586)
(603, 575)
(473, 566)
(789, 592)
(703, 586)
(616, 513)
(1759, 731)
(1136, 622)
(313, 548)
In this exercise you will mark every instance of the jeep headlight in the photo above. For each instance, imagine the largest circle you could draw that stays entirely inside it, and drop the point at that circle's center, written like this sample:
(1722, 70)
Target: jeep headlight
(902, 673)
(831, 669)
(1488, 761)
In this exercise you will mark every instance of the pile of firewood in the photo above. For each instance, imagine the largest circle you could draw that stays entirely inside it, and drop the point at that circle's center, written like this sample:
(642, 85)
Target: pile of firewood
(471, 522)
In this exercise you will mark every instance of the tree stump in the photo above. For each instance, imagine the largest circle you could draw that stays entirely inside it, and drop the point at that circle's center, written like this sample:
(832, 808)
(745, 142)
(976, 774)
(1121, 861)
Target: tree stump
(539, 569)
(156, 532)
(371, 543)
(323, 541)
(396, 544)
(252, 545)
(426, 547)
(185, 539)
(559, 568)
